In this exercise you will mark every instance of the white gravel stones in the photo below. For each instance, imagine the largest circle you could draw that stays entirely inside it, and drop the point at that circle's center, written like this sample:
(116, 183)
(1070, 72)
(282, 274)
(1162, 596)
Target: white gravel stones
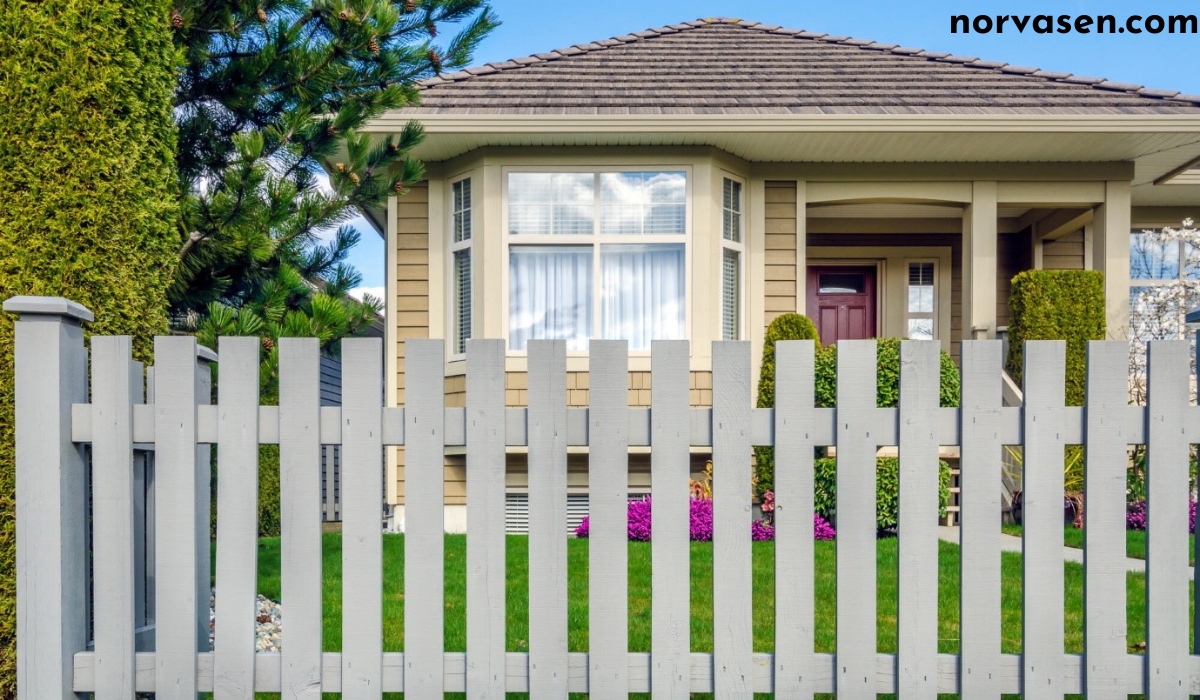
(268, 627)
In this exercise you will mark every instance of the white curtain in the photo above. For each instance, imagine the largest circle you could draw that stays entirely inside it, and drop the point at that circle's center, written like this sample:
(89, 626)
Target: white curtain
(642, 293)
(550, 295)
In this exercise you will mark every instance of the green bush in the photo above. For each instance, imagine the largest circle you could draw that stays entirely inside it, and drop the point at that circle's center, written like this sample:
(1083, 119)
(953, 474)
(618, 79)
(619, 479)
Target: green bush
(785, 327)
(1057, 305)
(887, 376)
(887, 500)
(89, 209)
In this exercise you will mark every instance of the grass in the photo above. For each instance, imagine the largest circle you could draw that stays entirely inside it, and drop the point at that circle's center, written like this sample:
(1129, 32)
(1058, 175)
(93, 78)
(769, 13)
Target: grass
(701, 596)
(1135, 541)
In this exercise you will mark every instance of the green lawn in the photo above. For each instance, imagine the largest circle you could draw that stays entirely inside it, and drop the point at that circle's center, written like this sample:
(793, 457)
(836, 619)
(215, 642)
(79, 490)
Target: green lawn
(1135, 541)
(701, 595)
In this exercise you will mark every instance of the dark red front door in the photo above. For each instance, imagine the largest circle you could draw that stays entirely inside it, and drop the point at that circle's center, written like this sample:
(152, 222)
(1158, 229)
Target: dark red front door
(841, 302)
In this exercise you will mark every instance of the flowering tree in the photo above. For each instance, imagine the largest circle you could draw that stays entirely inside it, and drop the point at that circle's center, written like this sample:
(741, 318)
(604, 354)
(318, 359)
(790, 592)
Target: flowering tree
(1157, 309)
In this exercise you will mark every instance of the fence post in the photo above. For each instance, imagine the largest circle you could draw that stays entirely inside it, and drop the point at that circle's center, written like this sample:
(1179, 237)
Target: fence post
(50, 375)
(205, 358)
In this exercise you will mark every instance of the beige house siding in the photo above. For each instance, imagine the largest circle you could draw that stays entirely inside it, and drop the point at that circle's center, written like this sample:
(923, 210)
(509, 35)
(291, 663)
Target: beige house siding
(1013, 254)
(1066, 253)
(412, 289)
(517, 389)
(780, 251)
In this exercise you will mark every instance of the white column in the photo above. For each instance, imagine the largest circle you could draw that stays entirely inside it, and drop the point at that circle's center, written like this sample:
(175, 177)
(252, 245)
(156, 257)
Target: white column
(52, 605)
(802, 247)
(1110, 254)
(979, 263)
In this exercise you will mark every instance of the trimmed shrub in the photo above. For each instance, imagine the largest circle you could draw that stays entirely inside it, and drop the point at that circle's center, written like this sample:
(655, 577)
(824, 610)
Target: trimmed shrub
(887, 376)
(1057, 305)
(87, 149)
(887, 499)
(785, 327)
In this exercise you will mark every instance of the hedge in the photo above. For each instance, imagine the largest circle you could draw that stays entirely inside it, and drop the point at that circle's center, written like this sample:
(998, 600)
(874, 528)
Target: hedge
(887, 490)
(1057, 305)
(785, 327)
(887, 376)
(89, 202)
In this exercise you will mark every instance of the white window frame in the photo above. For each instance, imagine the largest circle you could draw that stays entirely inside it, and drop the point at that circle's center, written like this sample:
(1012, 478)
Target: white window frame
(466, 244)
(596, 239)
(738, 247)
(931, 315)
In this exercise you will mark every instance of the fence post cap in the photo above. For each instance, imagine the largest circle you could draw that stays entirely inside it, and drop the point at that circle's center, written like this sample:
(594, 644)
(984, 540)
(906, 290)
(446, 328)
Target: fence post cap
(205, 353)
(1193, 316)
(49, 306)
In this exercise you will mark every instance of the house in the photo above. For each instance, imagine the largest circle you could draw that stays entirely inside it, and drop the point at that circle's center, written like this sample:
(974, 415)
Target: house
(696, 180)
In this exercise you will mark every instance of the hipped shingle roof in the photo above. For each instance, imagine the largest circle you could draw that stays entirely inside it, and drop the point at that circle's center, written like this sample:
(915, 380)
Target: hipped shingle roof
(730, 66)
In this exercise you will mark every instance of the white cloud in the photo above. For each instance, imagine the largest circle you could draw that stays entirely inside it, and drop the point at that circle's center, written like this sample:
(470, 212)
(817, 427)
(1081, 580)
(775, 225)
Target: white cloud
(376, 292)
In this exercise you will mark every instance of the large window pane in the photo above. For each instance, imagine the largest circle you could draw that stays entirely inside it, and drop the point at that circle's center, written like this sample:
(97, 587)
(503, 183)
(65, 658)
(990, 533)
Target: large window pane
(1152, 257)
(542, 203)
(643, 202)
(549, 295)
(642, 293)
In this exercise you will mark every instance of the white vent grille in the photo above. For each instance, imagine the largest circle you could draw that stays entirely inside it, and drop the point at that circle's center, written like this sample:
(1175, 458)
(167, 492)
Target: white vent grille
(516, 511)
(462, 298)
(730, 301)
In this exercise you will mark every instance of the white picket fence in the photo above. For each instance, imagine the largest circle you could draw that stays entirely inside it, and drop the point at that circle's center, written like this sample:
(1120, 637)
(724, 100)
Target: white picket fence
(55, 418)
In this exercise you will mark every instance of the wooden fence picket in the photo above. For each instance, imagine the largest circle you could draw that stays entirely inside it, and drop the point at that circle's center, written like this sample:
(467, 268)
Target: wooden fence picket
(979, 531)
(362, 532)
(112, 516)
(486, 596)
(547, 519)
(1167, 493)
(300, 515)
(1104, 536)
(237, 526)
(794, 549)
(608, 493)
(1042, 518)
(424, 517)
(917, 623)
(856, 521)
(175, 516)
(733, 638)
(670, 569)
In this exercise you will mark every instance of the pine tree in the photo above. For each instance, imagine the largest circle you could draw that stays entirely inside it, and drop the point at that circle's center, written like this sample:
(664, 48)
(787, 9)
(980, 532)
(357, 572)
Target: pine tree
(269, 90)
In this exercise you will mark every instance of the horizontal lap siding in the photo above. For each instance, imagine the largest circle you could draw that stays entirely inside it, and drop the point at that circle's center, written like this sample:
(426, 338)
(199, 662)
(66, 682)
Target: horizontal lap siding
(780, 255)
(1066, 253)
(1013, 255)
(412, 288)
(516, 389)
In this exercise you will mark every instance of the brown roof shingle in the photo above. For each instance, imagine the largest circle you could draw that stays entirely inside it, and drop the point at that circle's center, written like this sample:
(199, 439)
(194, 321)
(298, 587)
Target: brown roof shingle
(729, 66)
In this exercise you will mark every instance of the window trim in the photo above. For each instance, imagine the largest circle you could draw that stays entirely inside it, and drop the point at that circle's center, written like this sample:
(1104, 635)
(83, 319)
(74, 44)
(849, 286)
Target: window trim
(739, 248)
(597, 239)
(932, 315)
(452, 268)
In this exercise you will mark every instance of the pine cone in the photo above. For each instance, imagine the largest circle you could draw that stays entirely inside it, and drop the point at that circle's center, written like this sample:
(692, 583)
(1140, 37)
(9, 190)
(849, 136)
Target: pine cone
(435, 60)
(344, 15)
(262, 15)
(431, 28)
(399, 187)
(373, 46)
(341, 167)
(355, 178)
(410, 6)
(176, 19)
(331, 131)
(268, 343)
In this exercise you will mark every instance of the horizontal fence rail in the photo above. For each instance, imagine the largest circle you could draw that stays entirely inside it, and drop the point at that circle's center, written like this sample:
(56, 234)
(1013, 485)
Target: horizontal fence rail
(58, 597)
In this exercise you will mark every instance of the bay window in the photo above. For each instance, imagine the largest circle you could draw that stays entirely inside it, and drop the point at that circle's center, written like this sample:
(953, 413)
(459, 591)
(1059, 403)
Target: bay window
(731, 260)
(921, 295)
(597, 255)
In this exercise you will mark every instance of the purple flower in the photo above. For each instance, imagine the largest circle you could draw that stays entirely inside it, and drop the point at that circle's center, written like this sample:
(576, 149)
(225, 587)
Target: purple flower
(1136, 516)
(822, 530)
(761, 531)
(584, 527)
(701, 524)
(639, 520)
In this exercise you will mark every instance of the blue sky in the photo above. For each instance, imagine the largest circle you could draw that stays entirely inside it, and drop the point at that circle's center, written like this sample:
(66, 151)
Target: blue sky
(1160, 61)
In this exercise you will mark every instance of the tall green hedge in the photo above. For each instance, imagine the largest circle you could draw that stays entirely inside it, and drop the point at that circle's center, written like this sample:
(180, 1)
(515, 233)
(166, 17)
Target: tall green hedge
(87, 196)
(1057, 305)
(887, 376)
(785, 327)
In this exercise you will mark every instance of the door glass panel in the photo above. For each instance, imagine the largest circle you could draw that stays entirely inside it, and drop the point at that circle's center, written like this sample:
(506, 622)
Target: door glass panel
(841, 283)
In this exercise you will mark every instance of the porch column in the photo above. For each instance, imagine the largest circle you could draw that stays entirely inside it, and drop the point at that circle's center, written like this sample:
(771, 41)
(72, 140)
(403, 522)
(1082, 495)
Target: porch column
(979, 263)
(1110, 254)
(801, 247)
